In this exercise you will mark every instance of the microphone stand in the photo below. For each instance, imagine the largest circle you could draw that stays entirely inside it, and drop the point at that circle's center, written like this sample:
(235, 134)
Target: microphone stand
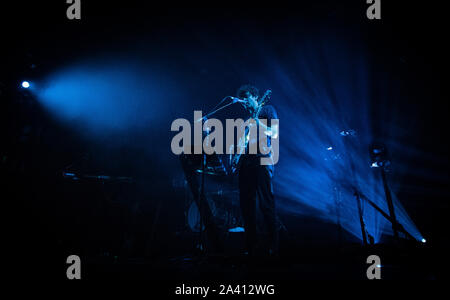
(214, 111)
(202, 186)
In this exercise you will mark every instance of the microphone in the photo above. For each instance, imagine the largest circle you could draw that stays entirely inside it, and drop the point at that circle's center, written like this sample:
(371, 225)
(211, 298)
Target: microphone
(236, 100)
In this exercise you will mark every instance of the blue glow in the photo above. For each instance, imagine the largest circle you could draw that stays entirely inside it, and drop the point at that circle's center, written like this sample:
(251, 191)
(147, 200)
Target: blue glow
(25, 84)
(424, 241)
(323, 92)
(237, 229)
(324, 97)
(106, 97)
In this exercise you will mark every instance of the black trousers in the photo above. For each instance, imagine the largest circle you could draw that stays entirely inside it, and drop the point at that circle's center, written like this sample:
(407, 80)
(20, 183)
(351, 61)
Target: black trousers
(258, 209)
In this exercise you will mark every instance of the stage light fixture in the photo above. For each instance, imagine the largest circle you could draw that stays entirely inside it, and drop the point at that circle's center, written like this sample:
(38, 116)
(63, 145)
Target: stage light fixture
(379, 157)
(424, 241)
(374, 165)
(25, 84)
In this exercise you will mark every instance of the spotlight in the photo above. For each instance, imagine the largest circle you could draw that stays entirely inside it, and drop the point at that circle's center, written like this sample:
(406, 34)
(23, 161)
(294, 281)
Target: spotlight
(25, 84)
(379, 157)
(378, 149)
(350, 132)
(424, 241)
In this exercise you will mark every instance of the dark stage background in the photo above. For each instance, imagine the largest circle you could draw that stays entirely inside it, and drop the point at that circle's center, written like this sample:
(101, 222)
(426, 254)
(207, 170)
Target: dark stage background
(105, 89)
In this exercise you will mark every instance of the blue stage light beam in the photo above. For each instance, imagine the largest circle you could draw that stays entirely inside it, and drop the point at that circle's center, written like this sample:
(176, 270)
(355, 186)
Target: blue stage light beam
(108, 97)
(323, 92)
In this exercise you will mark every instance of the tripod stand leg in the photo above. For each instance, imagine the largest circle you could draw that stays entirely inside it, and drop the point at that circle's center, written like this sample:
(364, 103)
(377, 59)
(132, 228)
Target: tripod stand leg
(361, 219)
(388, 195)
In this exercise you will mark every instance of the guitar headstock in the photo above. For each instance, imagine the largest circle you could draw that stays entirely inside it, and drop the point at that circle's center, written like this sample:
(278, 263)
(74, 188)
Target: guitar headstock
(266, 97)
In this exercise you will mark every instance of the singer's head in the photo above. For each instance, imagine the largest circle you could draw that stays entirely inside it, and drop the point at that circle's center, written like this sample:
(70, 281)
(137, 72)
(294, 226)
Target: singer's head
(250, 95)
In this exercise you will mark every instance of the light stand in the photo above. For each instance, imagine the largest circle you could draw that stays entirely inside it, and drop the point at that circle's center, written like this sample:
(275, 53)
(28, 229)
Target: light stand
(379, 159)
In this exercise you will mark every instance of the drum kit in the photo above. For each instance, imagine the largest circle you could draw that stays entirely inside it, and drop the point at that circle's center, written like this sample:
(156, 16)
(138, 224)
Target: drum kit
(220, 191)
